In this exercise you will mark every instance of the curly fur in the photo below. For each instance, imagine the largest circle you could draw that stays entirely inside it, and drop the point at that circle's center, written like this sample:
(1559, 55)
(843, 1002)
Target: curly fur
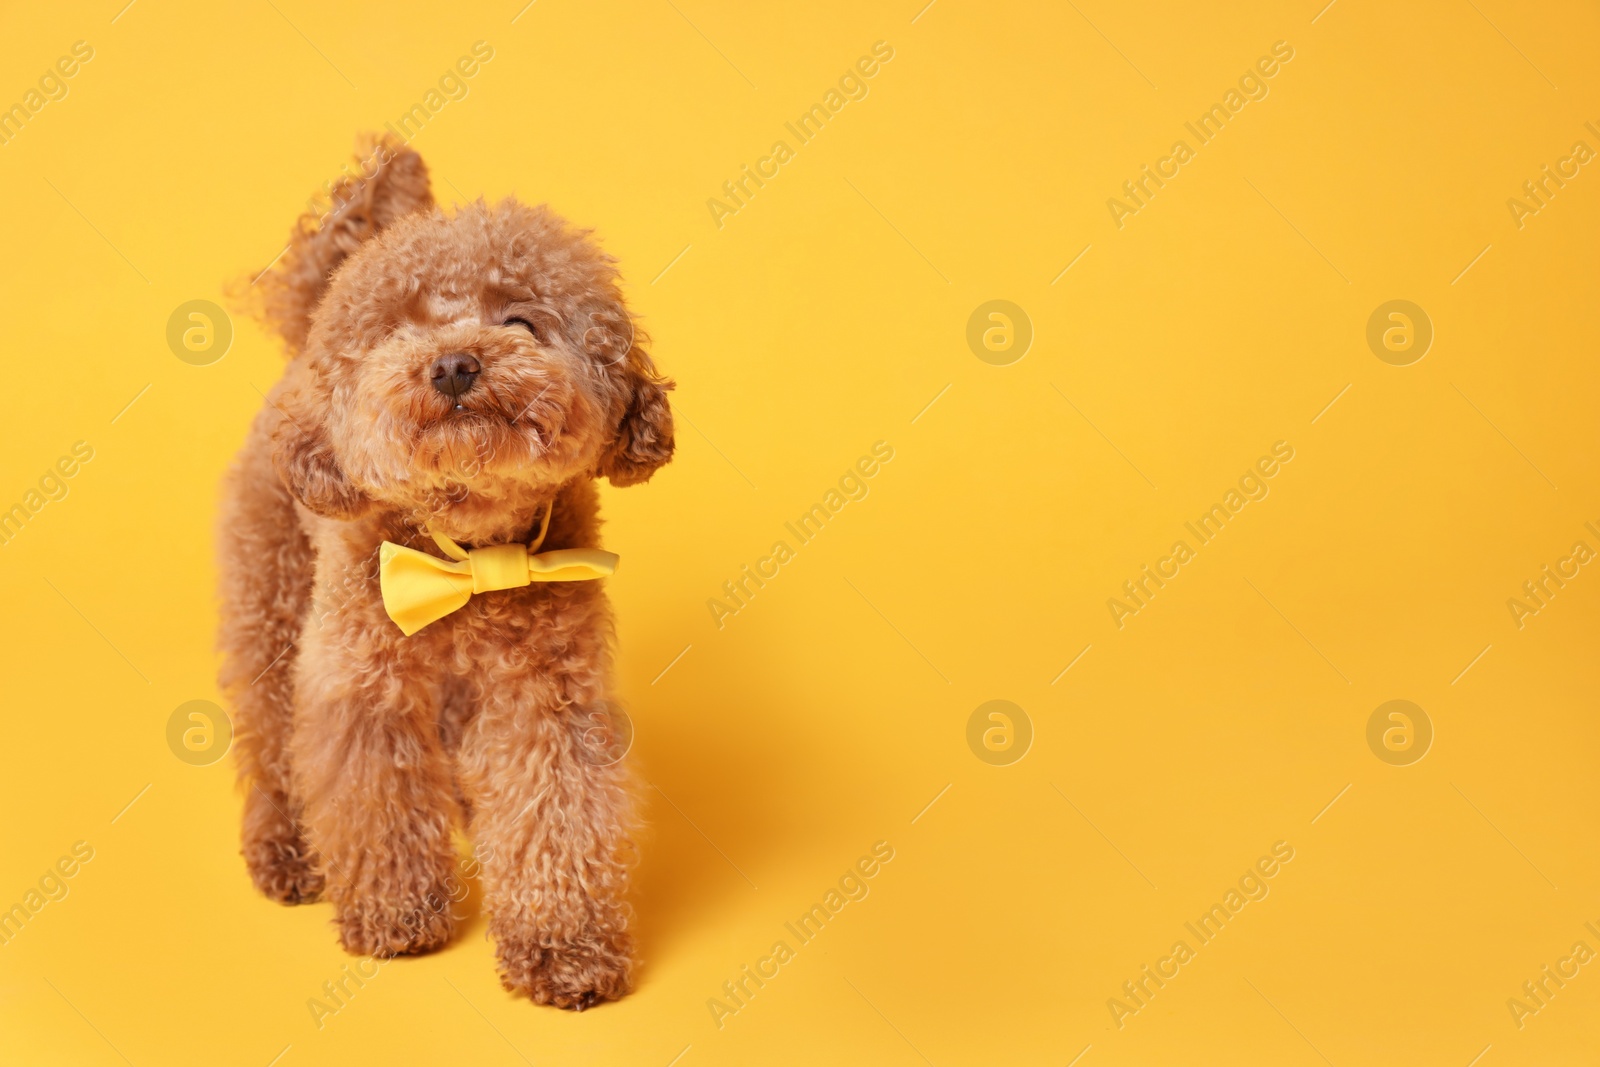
(360, 749)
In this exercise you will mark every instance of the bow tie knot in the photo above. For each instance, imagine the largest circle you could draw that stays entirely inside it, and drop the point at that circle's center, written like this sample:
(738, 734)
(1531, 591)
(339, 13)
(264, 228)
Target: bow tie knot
(499, 567)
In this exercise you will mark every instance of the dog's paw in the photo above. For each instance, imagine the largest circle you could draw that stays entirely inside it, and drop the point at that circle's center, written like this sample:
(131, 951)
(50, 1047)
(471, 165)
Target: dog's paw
(567, 977)
(280, 863)
(283, 872)
(375, 928)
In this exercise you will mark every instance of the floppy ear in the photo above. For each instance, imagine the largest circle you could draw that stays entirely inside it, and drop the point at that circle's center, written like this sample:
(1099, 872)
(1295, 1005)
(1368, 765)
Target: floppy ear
(644, 438)
(387, 182)
(304, 459)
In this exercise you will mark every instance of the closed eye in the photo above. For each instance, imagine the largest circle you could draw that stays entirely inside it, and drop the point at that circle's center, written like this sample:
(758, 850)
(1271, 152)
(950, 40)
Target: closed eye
(525, 324)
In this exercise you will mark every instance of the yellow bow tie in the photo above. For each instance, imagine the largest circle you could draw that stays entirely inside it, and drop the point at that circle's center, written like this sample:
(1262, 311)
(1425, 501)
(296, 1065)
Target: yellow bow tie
(419, 589)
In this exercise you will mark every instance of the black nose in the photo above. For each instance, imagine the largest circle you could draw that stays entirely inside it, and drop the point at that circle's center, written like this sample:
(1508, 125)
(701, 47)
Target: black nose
(454, 374)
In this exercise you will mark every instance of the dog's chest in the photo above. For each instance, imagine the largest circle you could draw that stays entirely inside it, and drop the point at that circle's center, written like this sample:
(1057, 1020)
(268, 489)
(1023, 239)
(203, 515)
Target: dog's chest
(539, 626)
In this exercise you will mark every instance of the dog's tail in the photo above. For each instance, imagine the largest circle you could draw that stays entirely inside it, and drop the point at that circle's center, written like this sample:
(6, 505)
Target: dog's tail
(388, 180)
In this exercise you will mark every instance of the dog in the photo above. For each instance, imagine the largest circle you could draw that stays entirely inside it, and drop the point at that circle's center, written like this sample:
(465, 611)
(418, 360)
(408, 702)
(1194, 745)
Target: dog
(467, 376)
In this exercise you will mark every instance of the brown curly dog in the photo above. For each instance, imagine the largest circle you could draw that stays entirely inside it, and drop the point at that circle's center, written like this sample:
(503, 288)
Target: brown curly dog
(457, 374)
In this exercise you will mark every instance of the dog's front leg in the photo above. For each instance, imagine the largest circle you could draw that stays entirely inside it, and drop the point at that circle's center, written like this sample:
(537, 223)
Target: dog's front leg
(550, 823)
(374, 781)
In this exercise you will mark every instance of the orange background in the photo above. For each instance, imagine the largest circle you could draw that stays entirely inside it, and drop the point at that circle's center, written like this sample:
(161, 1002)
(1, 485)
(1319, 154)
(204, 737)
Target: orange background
(1231, 712)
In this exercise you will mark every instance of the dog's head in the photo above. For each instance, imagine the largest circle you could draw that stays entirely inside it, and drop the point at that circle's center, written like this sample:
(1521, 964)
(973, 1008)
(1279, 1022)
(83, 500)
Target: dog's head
(459, 367)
